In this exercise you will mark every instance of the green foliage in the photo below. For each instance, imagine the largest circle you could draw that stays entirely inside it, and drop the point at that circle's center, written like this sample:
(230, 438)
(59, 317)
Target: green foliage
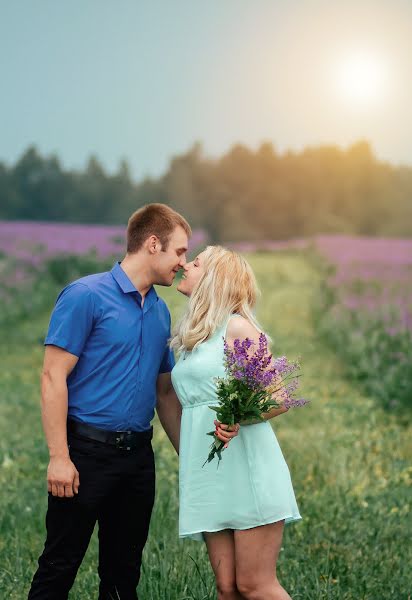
(349, 461)
(42, 284)
(375, 357)
(65, 268)
(38, 189)
(24, 301)
(237, 404)
(243, 195)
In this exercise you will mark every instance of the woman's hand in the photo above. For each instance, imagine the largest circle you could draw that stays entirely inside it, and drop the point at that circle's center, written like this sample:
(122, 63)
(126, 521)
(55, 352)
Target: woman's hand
(226, 432)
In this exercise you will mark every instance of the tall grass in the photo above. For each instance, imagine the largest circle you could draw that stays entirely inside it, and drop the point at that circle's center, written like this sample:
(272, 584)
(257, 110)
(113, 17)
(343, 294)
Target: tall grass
(373, 343)
(349, 460)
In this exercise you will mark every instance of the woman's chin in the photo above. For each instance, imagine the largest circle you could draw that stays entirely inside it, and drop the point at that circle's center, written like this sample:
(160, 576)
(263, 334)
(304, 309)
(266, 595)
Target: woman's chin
(181, 288)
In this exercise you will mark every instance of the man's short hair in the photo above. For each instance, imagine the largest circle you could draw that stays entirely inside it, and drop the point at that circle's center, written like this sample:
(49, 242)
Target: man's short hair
(153, 219)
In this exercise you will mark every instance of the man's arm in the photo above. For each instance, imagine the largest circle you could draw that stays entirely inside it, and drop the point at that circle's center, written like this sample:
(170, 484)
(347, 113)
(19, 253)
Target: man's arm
(62, 475)
(169, 411)
(168, 408)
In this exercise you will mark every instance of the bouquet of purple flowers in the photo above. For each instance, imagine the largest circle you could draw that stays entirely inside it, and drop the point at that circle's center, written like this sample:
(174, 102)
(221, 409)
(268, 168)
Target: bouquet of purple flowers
(250, 385)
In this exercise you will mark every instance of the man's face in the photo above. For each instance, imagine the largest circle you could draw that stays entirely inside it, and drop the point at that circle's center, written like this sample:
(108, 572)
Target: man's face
(169, 262)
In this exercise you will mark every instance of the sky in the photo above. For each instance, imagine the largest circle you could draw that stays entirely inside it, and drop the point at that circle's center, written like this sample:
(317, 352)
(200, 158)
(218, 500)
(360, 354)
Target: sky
(145, 80)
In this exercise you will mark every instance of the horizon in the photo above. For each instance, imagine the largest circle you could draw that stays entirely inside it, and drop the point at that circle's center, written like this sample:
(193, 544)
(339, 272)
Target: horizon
(135, 181)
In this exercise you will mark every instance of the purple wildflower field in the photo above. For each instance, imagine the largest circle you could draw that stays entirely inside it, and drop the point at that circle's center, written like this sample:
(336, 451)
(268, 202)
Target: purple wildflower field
(372, 275)
(365, 309)
(36, 241)
(30, 244)
(367, 314)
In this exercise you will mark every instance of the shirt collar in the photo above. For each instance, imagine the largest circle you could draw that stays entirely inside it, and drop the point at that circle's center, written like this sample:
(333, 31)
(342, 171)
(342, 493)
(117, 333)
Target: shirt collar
(127, 286)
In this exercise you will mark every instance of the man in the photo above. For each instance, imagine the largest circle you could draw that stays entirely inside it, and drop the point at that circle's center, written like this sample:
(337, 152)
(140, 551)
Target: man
(106, 366)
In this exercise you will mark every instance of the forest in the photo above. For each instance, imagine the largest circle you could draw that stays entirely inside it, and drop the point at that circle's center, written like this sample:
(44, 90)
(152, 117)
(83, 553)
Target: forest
(242, 195)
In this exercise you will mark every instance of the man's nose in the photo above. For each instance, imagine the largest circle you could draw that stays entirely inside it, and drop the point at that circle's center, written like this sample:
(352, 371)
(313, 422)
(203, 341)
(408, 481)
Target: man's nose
(183, 260)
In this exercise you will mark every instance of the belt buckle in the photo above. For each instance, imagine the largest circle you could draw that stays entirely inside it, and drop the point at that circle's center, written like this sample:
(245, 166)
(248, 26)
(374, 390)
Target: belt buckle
(122, 440)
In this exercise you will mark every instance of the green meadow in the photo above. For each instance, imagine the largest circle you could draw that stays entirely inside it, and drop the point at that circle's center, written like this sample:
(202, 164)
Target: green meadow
(350, 463)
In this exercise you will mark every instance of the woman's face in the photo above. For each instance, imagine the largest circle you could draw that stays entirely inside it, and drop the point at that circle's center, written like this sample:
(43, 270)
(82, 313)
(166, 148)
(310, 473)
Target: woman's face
(192, 272)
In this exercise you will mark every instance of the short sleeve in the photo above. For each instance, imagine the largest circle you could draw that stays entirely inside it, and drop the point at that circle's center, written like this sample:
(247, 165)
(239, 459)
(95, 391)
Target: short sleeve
(72, 319)
(168, 360)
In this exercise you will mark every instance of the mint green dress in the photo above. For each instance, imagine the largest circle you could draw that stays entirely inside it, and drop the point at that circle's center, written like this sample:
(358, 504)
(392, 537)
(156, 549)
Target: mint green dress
(252, 485)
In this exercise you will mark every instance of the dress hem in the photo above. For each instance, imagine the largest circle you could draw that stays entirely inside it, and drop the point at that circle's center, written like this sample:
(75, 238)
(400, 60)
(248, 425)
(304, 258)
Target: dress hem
(288, 519)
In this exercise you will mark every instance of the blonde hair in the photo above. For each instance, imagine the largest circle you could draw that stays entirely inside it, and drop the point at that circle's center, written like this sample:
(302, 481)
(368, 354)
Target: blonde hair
(227, 286)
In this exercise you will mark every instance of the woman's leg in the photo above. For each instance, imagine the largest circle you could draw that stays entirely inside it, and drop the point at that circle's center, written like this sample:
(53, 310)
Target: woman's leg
(221, 550)
(256, 554)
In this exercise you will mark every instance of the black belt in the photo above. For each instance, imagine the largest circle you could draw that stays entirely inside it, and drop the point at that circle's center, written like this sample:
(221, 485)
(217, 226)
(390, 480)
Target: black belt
(120, 439)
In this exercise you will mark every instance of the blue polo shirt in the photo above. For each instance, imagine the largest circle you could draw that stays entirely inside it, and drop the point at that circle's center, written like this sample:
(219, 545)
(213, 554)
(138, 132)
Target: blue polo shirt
(121, 346)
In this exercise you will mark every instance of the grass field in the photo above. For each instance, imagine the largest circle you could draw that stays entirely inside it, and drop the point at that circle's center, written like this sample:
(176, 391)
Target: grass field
(349, 460)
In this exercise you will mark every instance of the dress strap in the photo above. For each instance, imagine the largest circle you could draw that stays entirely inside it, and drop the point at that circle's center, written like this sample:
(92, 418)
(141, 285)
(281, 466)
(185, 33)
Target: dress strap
(224, 328)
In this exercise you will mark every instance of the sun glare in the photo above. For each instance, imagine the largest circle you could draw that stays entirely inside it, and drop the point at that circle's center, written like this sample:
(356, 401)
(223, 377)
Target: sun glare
(361, 79)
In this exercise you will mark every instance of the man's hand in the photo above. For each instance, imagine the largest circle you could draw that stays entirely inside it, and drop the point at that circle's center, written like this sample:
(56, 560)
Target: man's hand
(226, 432)
(62, 477)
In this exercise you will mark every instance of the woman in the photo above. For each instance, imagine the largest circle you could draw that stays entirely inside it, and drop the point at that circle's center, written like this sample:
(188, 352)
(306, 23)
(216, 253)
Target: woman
(239, 509)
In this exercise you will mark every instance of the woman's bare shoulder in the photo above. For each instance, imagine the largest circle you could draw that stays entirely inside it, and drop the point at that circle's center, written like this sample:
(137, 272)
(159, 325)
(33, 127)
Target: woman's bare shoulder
(240, 328)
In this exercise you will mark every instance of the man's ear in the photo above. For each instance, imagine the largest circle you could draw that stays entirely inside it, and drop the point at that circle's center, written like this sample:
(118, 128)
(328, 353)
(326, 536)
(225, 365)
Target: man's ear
(153, 244)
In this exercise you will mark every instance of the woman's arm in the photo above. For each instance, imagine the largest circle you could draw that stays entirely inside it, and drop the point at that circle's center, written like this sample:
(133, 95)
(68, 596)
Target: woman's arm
(275, 412)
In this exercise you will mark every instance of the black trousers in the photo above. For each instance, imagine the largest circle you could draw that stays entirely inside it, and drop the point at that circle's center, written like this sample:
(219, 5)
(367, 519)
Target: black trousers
(117, 488)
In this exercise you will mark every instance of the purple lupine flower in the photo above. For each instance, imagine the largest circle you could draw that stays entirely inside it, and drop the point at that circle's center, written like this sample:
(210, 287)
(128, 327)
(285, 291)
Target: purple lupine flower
(258, 370)
(254, 384)
(372, 275)
(294, 402)
(33, 243)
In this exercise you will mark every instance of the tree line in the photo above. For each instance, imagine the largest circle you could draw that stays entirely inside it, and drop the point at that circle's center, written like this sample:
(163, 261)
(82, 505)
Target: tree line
(243, 195)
